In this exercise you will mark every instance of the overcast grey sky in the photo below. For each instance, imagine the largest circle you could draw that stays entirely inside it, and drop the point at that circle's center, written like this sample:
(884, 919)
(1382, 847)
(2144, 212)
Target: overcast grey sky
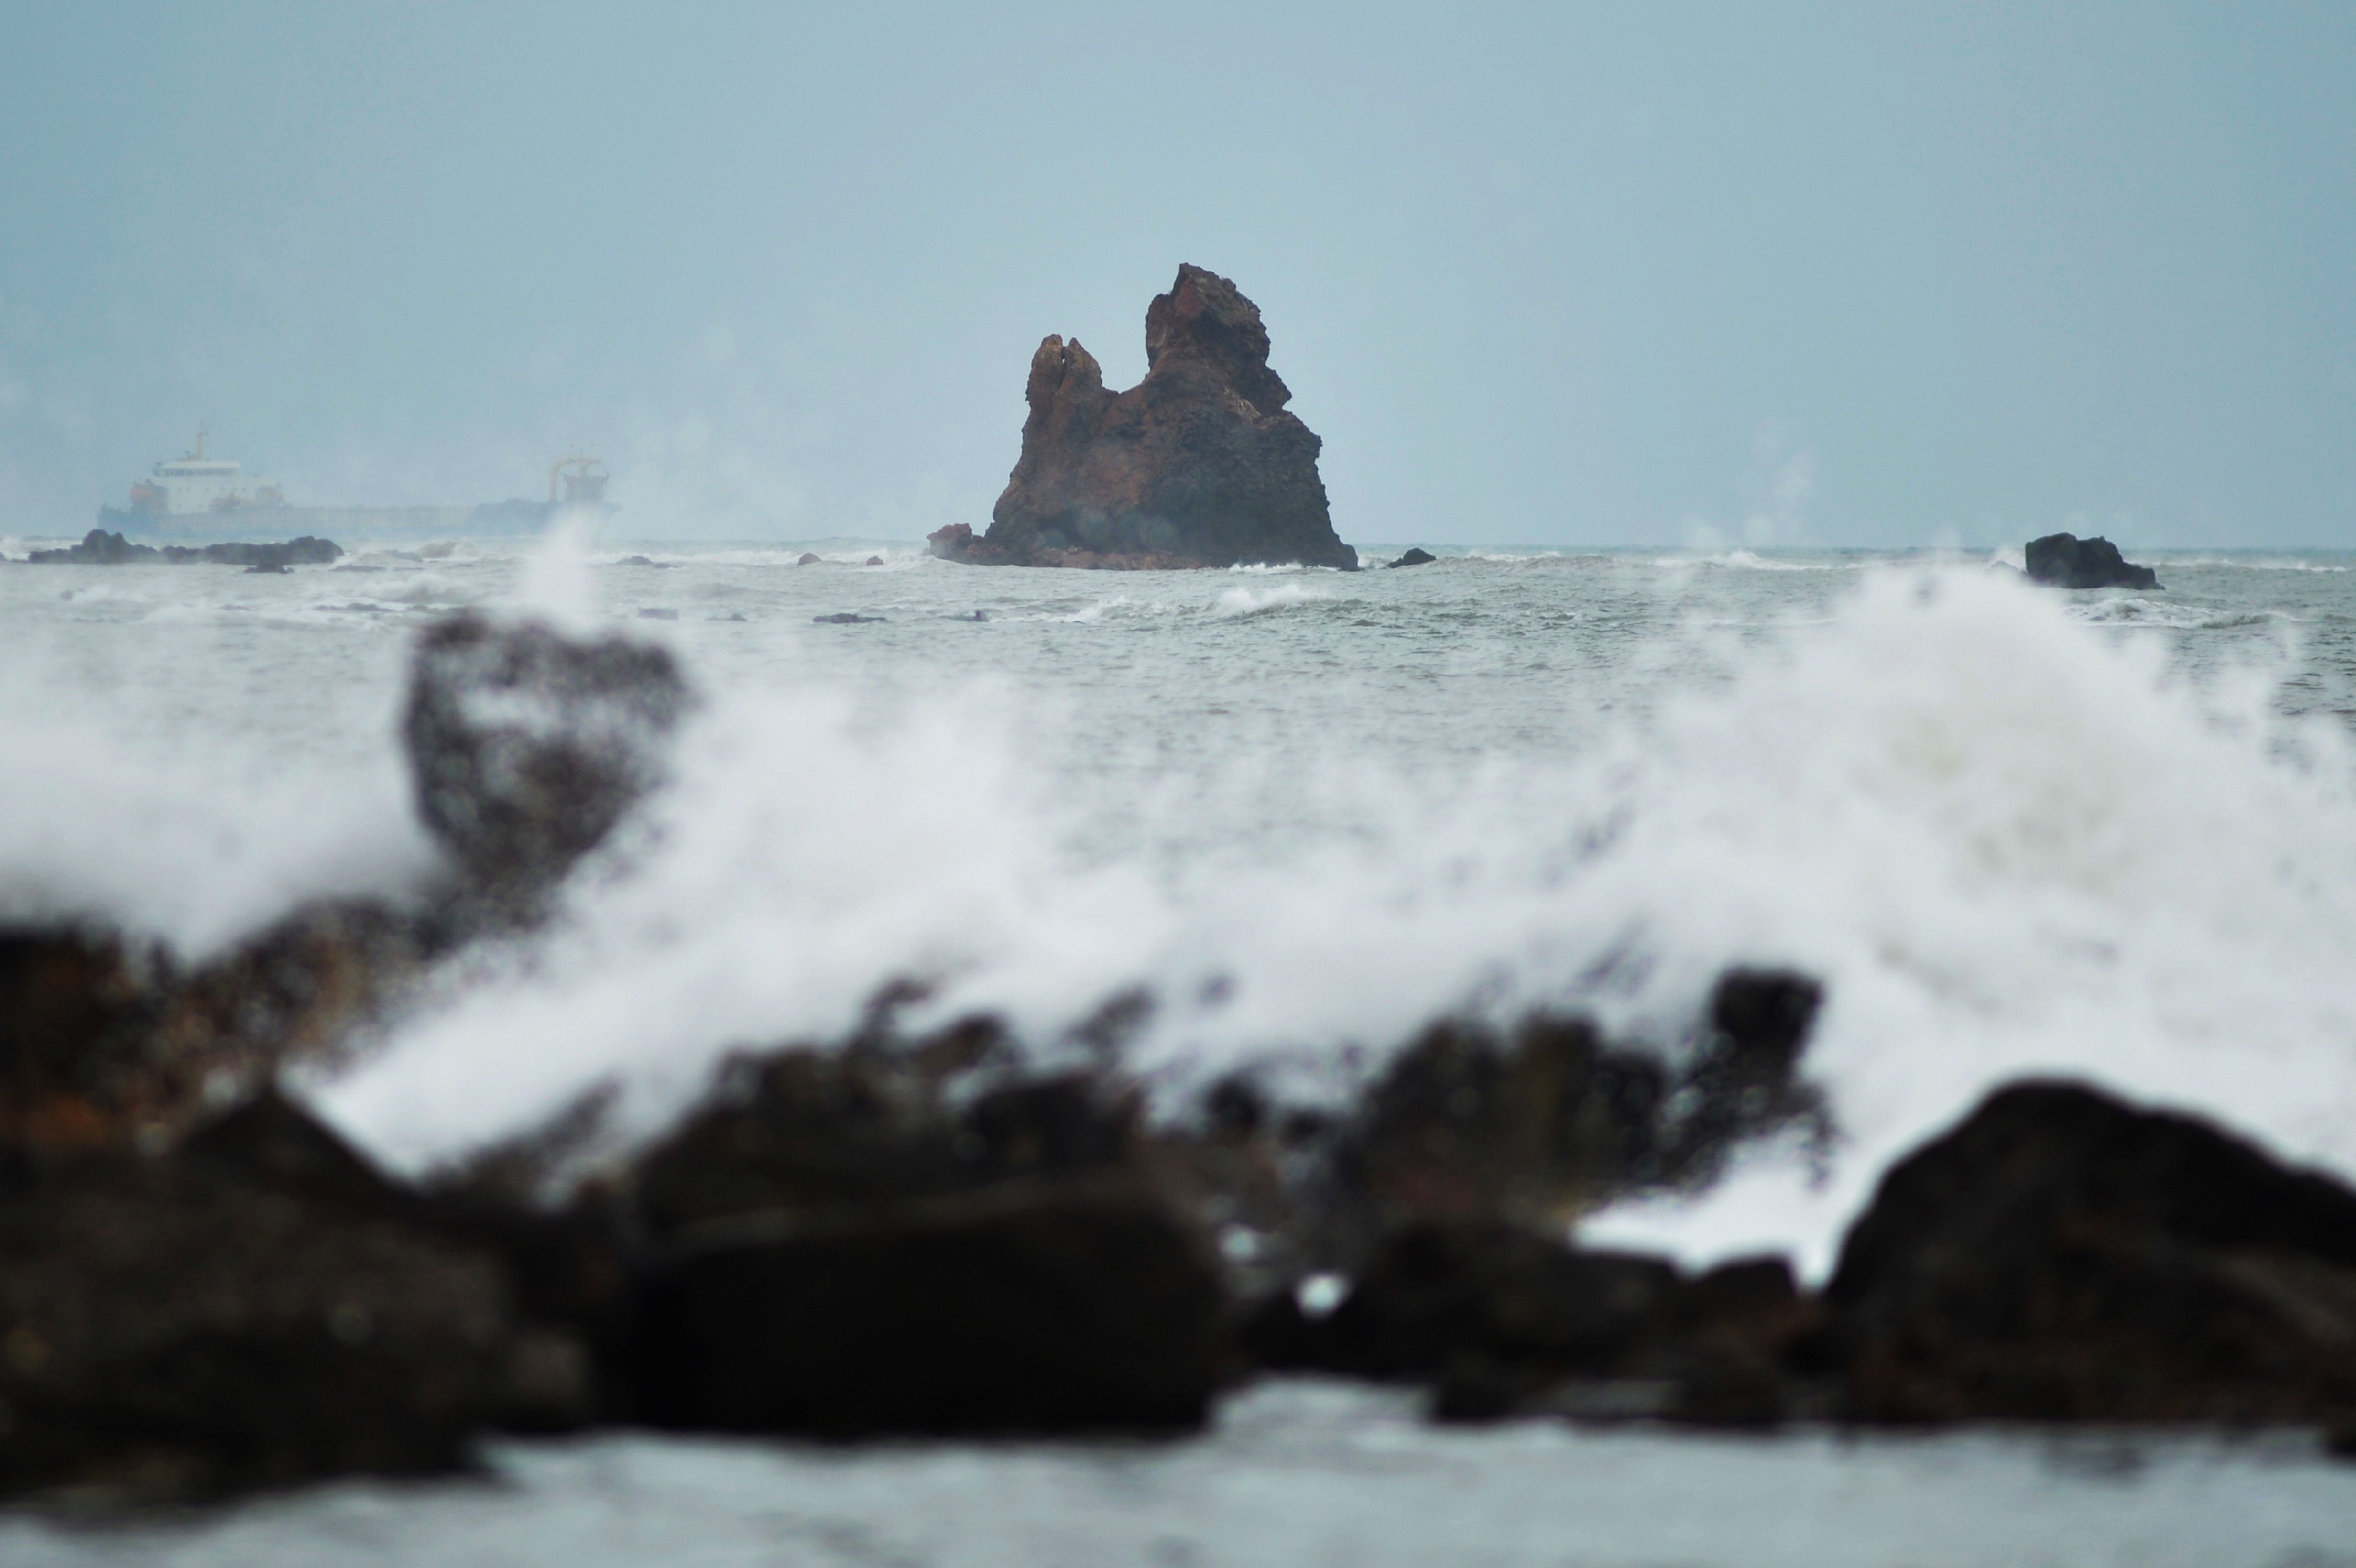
(1846, 274)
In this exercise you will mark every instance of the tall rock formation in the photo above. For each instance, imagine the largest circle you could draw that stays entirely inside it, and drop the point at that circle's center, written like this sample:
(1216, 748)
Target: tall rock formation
(1198, 464)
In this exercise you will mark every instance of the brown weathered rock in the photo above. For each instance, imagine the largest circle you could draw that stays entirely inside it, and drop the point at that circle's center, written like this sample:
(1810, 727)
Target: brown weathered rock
(2061, 1255)
(107, 1045)
(1198, 464)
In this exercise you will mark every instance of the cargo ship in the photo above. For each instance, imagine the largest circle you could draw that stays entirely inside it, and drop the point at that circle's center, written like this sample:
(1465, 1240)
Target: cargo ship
(197, 498)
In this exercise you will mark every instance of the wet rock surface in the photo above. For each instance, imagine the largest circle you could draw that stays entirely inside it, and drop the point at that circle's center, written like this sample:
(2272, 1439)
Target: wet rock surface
(2064, 561)
(1416, 556)
(100, 547)
(1199, 464)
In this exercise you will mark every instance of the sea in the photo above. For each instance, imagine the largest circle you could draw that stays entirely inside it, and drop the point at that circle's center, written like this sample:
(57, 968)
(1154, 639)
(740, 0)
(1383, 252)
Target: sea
(2109, 836)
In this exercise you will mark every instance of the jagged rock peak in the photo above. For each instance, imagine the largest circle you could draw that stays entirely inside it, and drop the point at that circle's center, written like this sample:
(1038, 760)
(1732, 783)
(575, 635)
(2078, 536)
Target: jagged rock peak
(1205, 319)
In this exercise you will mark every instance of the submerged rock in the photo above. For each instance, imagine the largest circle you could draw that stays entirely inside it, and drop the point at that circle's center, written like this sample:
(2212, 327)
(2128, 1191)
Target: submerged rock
(2065, 561)
(2065, 1256)
(527, 746)
(846, 618)
(1198, 464)
(1417, 556)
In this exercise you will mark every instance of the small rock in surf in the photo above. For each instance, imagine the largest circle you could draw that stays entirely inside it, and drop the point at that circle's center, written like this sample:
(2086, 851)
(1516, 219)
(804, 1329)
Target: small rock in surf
(2064, 561)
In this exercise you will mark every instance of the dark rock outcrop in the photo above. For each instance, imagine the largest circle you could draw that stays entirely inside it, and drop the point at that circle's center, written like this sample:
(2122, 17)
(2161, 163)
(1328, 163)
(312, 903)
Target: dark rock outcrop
(257, 1307)
(527, 746)
(1198, 464)
(100, 547)
(2065, 561)
(843, 1246)
(1539, 1123)
(1416, 556)
(1054, 1307)
(2065, 1256)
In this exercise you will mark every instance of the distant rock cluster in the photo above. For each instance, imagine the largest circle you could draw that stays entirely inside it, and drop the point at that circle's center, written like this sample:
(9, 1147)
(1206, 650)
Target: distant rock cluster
(1197, 465)
(100, 547)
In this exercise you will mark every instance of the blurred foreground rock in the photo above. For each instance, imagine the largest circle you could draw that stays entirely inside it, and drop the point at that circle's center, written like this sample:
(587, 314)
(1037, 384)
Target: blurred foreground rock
(254, 1309)
(2065, 1256)
(884, 1240)
(527, 746)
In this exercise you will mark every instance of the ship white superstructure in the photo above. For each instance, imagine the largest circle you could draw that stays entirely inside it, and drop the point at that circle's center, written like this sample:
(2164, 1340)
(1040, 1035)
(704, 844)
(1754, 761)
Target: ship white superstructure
(193, 483)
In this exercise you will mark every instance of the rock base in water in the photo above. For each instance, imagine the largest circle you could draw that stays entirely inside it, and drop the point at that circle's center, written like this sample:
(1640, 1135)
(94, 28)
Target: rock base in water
(2064, 561)
(1197, 465)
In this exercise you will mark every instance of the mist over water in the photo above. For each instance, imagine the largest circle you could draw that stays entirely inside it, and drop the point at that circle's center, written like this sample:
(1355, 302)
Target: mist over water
(2013, 830)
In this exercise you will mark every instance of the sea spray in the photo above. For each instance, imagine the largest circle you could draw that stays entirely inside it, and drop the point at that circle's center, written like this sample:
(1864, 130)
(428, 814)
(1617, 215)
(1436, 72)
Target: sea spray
(2004, 842)
(2005, 837)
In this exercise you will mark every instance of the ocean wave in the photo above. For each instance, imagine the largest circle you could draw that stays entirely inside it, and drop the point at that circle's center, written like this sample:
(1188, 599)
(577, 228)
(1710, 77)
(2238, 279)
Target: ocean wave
(2127, 608)
(1750, 560)
(1239, 602)
(2009, 846)
(2244, 563)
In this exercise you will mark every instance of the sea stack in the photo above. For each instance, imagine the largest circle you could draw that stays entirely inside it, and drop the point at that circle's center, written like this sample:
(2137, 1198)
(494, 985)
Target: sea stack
(1197, 465)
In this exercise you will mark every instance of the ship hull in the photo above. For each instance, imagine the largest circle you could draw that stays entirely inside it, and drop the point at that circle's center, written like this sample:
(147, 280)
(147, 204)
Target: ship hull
(348, 526)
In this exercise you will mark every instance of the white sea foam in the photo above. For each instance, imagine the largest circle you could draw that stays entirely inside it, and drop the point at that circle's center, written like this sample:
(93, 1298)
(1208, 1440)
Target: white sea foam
(1237, 601)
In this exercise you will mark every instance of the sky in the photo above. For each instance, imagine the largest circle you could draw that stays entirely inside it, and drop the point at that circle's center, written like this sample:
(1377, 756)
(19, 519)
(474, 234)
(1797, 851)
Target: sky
(1791, 275)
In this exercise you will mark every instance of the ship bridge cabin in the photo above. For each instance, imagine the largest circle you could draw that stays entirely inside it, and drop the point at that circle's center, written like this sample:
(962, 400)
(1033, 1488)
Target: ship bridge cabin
(195, 482)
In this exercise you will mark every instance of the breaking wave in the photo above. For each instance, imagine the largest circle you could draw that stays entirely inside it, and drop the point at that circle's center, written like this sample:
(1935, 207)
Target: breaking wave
(2007, 840)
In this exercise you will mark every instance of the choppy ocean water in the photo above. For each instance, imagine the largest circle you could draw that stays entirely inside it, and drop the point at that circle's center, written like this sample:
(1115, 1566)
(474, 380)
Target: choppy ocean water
(2108, 834)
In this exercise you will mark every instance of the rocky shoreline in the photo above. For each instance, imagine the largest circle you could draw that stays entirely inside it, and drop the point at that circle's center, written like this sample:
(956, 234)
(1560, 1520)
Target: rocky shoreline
(204, 1289)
